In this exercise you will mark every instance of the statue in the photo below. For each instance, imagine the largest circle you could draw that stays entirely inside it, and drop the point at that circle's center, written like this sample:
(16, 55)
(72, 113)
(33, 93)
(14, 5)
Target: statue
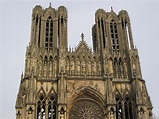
(61, 116)
(23, 99)
(99, 68)
(125, 69)
(89, 67)
(83, 67)
(110, 66)
(78, 67)
(72, 67)
(111, 115)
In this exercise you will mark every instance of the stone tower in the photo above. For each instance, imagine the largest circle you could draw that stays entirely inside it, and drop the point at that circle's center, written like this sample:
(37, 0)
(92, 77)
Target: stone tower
(62, 83)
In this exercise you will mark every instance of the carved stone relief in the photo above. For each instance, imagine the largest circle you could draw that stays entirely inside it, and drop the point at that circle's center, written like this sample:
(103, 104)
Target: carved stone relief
(74, 87)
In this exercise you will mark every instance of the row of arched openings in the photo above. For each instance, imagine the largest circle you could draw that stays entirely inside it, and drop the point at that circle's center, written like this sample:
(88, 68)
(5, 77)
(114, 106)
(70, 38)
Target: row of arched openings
(120, 67)
(84, 65)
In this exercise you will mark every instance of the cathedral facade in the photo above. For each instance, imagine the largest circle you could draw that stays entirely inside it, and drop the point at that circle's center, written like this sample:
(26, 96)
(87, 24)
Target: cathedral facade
(81, 83)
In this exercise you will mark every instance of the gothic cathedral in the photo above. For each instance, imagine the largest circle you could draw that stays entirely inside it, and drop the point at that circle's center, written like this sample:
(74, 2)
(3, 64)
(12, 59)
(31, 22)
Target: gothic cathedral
(81, 83)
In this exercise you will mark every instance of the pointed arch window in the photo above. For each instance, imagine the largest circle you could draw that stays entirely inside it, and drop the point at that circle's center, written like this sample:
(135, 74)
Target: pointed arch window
(114, 36)
(49, 34)
(103, 32)
(119, 111)
(51, 108)
(128, 108)
(124, 108)
(41, 108)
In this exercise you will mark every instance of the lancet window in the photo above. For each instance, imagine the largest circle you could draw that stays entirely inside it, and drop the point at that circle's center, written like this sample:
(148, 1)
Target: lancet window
(38, 27)
(124, 108)
(41, 108)
(103, 32)
(51, 108)
(114, 36)
(49, 34)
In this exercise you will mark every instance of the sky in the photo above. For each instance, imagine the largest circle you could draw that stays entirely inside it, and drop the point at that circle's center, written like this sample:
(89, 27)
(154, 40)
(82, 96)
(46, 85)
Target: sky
(15, 25)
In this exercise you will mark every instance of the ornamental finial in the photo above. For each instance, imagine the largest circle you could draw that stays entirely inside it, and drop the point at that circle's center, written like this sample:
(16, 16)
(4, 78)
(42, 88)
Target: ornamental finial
(111, 8)
(82, 36)
(50, 4)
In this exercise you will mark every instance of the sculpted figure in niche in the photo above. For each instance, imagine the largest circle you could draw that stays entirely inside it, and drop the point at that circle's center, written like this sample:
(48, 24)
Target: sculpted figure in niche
(28, 64)
(50, 74)
(62, 113)
(94, 67)
(23, 99)
(142, 115)
(40, 67)
(111, 115)
(97, 87)
(34, 62)
(45, 70)
(61, 116)
(133, 67)
(99, 68)
(50, 66)
(78, 67)
(55, 68)
(89, 67)
(50, 69)
(62, 62)
(125, 69)
(67, 66)
(110, 66)
(72, 67)
(121, 70)
(83, 67)
(40, 70)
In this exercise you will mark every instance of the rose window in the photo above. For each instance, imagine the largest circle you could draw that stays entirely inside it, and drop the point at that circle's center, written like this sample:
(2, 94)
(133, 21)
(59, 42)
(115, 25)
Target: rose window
(86, 109)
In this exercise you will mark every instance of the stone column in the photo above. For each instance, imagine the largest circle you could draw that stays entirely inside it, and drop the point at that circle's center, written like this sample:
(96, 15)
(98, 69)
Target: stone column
(130, 36)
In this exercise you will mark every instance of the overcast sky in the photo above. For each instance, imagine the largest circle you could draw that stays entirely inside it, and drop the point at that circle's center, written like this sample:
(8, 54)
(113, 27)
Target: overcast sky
(15, 25)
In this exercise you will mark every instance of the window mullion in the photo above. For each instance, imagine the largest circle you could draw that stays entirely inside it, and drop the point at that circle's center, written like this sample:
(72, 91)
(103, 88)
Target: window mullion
(128, 107)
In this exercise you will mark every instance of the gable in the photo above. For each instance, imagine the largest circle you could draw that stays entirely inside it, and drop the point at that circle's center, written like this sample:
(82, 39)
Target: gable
(82, 47)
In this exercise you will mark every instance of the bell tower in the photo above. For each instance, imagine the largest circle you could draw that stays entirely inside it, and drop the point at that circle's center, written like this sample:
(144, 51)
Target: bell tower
(112, 38)
(37, 97)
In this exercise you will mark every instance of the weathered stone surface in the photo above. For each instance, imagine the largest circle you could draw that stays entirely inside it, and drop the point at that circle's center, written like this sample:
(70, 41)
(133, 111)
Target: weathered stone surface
(62, 83)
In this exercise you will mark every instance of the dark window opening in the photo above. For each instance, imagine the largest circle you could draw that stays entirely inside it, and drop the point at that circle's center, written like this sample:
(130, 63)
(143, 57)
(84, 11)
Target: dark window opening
(52, 108)
(114, 36)
(39, 32)
(62, 20)
(124, 108)
(37, 19)
(98, 23)
(103, 33)
(47, 24)
(47, 29)
(41, 108)
(51, 24)
(49, 34)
